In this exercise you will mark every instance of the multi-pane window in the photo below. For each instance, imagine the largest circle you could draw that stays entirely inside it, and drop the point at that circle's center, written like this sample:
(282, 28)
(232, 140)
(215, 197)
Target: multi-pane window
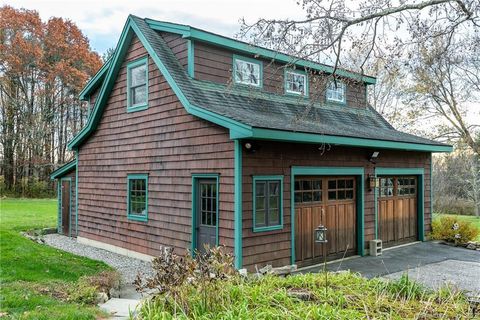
(296, 82)
(336, 91)
(208, 203)
(406, 186)
(137, 203)
(137, 79)
(386, 187)
(308, 190)
(340, 189)
(267, 194)
(247, 71)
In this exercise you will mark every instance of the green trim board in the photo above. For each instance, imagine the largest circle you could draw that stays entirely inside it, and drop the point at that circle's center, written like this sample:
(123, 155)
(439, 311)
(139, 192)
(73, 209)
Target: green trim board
(59, 207)
(94, 82)
(191, 58)
(359, 172)
(267, 178)
(278, 135)
(419, 172)
(133, 64)
(306, 93)
(238, 198)
(236, 57)
(136, 217)
(66, 168)
(76, 193)
(246, 48)
(195, 178)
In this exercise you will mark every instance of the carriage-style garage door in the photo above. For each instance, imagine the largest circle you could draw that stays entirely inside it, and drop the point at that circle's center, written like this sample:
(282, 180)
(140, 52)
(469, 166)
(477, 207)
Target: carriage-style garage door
(329, 201)
(397, 210)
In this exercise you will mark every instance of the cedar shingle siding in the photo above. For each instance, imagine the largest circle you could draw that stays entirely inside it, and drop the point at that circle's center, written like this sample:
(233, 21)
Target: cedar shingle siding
(166, 143)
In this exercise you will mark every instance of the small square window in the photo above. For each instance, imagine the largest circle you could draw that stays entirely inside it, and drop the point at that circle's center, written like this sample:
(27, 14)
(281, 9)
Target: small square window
(336, 91)
(296, 83)
(247, 71)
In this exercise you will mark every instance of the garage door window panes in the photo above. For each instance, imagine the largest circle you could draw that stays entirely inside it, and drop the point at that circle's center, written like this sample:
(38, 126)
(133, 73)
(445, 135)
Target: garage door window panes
(308, 190)
(386, 187)
(267, 213)
(406, 186)
(340, 189)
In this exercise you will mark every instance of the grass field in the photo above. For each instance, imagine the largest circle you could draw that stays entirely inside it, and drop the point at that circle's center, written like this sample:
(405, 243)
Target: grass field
(29, 270)
(472, 219)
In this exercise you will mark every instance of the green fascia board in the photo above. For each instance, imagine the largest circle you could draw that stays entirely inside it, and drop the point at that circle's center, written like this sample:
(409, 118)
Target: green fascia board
(197, 34)
(420, 173)
(135, 217)
(129, 29)
(63, 169)
(331, 171)
(195, 177)
(279, 135)
(93, 83)
(191, 58)
(267, 178)
(130, 66)
(238, 198)
(297, 71)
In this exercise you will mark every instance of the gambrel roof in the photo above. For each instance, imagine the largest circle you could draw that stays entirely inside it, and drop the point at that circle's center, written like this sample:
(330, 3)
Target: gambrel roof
(247, 114)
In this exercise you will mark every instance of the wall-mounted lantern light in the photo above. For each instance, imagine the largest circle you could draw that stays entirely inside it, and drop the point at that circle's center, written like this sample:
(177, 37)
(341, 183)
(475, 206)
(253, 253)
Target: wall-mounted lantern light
(374, 156)
(321, 234)
(373, 182)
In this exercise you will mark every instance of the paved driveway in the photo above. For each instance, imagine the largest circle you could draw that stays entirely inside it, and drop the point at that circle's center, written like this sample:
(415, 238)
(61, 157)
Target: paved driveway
(430, 263)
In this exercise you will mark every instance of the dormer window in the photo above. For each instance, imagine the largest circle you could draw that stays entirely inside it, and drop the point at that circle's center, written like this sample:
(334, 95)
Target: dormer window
(247, 71)
(336, 91)
(296, 82)
(137, 85)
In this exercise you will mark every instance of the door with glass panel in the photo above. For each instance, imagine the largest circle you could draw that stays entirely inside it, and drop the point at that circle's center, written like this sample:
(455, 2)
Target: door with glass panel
(206, 211)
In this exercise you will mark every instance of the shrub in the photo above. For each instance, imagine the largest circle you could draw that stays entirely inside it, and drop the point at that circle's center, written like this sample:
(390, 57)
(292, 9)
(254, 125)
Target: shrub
(451, 229)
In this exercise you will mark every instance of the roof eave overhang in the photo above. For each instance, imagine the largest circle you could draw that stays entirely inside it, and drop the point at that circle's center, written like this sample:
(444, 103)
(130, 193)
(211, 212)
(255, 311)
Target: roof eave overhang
(200, 35)
(66, 168)
(95, 81)
(301, 137)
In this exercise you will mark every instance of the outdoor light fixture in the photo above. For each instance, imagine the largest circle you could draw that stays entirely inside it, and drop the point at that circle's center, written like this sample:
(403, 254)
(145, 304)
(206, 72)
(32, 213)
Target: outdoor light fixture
(374, 157)
(321, 234)
(373, 182)
(250, 146)
(321, 237)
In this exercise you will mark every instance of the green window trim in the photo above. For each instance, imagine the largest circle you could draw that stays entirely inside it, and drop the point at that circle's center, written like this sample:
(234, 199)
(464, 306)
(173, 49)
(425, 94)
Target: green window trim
(336, 101)
(306, 93)
(268, 227)
(249, 60)
(137, 217)
(130, 66)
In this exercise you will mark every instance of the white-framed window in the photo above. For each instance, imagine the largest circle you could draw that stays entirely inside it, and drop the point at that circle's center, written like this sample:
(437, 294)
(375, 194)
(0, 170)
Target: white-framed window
(137, 85)
(247, 71)
(336, 91)
(296, 82)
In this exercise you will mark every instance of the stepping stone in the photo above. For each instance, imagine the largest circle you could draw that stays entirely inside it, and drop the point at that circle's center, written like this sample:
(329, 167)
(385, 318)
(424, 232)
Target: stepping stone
(120, 308)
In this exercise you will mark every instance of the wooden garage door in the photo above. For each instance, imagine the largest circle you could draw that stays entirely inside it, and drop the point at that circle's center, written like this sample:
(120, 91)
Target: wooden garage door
(329, 201)
(397, 210)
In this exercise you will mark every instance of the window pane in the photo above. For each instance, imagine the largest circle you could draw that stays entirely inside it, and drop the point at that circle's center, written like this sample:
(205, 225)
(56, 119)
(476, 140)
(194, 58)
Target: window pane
(341, 195)
(317, 196)
(260, 218)
(260, 203)
(260, 188)
(298, 197)
(273, 202)
(341, 184)
(297, 185)
(307, 185)
(138, 196)
(138, 75)
(349, 194)
(317, 184)
(274, 217)
(139, 95)
(273, 188)
(295, 82)
(332, 195)
(332, 184)
(307, 196)
(247, 72)
(349, 183)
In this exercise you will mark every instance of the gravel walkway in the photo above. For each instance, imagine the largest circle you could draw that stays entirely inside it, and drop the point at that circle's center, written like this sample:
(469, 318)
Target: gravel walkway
(127, 266)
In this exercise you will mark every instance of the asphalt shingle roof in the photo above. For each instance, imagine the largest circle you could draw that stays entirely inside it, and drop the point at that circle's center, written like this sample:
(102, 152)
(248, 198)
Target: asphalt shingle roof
(259, 109)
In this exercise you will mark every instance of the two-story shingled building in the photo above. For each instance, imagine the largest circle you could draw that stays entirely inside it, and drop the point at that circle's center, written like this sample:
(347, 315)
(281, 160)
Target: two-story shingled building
(195, 138)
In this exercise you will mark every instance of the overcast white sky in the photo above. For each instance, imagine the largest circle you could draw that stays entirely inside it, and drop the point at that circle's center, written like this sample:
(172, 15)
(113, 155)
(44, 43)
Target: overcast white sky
(103, 20)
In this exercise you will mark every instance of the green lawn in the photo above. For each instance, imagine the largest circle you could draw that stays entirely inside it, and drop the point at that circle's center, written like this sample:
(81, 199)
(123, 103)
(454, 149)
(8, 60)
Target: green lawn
(472, 219)
(29, 271)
